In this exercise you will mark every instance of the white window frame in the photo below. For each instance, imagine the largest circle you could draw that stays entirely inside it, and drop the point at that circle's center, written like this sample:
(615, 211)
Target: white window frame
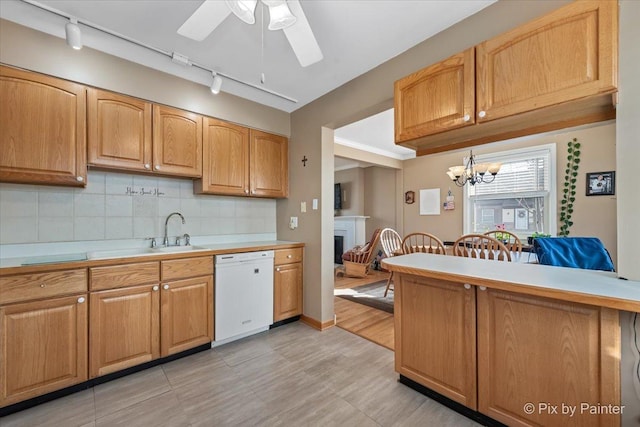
(502, 156)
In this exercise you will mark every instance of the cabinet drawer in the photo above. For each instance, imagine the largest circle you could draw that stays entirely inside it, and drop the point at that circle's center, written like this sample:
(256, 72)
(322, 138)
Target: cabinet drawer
(120, 276)
(188, 267)
(288, 256)
(25, 287)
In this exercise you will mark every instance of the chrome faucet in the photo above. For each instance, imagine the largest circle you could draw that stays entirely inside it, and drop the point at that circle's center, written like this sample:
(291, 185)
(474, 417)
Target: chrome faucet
(165, 241)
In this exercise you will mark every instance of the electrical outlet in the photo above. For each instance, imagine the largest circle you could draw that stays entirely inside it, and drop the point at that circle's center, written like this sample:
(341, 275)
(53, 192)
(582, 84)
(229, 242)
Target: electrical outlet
(314, 204)
(303, 207)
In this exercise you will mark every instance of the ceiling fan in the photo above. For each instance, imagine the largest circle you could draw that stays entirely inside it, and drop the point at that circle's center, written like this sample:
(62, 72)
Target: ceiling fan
(285, 15)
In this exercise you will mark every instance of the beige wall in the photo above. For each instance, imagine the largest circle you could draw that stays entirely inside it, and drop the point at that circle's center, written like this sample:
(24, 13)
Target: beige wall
(352, 183)
(380, 199)
(26, 48)
(628, 153)
(366, 95)
(593, 216)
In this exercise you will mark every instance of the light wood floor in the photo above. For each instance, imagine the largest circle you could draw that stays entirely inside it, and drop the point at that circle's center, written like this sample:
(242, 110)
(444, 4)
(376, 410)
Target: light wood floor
(367, 322)
(293, 375)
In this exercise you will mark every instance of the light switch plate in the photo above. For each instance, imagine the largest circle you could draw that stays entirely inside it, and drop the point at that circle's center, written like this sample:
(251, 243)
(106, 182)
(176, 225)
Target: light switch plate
(303, 207)
(315, 204)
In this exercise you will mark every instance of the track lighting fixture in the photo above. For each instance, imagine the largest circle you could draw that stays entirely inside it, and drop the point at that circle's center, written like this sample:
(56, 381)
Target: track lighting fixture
(74, 36)
(216, 84)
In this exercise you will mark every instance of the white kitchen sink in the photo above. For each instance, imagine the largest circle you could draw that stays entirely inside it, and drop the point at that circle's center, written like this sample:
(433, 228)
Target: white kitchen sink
(172, 249)
(119, 253)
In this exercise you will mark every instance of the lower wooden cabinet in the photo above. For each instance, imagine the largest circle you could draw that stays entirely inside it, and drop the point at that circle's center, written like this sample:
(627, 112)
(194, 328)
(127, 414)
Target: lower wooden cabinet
(435, 336)
(125, 328)
(287, 283)
(515, 358)
(187, 314)
(44, 347)
(534, 350)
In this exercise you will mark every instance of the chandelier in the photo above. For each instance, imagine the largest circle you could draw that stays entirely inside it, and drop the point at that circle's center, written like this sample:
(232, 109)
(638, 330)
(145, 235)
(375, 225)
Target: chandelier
(473, 172)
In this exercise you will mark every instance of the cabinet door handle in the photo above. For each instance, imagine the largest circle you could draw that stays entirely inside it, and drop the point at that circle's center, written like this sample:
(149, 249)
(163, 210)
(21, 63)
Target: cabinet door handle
(165, 287)
(483, 288)
(246, 191)
(467, 286)
(157, 167)
(482, 114)
(147, 166)
(278, 269)
(80, 300)
(79, 178)
(155, 288)
(43, 285)
(466, 118)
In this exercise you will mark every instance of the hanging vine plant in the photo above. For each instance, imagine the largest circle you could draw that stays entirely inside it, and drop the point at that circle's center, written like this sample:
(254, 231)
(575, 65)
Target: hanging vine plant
(569, 189)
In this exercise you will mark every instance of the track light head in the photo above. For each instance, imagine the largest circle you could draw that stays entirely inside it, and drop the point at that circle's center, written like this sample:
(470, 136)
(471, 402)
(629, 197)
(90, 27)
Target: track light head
(74, 36)
(216, 84)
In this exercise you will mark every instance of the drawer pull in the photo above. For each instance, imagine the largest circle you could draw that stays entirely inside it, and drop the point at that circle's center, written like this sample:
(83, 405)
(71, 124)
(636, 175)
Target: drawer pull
(43, 285)
(278, 269)
(289, 256)
(156, 287)
(80, 300)
(165, 287)
(467, 286)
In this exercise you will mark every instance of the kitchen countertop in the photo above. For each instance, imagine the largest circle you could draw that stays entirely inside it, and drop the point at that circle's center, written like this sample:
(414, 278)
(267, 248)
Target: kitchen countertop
(593, 287)
(15, 265)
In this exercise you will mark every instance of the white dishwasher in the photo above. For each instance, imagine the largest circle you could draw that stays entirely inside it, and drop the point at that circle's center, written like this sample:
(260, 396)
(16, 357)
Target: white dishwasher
(243, 295)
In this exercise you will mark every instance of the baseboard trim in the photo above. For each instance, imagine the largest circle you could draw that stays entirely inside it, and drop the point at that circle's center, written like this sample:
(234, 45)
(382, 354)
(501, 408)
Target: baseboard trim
(316, 324)
(34, 401)
(458, 407)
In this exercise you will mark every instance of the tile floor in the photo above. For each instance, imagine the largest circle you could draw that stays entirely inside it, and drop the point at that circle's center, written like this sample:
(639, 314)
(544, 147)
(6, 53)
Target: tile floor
(290, 376)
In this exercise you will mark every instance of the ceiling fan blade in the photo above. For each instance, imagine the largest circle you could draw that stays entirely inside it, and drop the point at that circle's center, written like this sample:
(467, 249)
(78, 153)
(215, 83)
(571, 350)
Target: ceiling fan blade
(301, 38)
(204, 20)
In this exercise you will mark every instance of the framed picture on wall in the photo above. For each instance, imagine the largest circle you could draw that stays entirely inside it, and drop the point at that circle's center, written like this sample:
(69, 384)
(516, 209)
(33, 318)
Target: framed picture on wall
(409, 197)
(601, 183)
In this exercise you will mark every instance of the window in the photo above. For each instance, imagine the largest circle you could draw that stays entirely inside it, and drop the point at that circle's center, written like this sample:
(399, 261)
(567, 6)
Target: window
(522, 197)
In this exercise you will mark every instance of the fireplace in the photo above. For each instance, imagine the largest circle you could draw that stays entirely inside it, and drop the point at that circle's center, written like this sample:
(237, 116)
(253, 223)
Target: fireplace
(338, 245)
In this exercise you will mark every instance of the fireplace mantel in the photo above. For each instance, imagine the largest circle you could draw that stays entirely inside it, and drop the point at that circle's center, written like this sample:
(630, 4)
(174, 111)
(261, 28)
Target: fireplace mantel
(352, 228)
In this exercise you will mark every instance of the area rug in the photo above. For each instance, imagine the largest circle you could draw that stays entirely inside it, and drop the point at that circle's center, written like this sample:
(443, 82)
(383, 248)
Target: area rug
(371, 295)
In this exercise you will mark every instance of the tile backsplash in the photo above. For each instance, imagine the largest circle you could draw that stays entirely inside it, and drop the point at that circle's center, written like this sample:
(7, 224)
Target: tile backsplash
(124, 206)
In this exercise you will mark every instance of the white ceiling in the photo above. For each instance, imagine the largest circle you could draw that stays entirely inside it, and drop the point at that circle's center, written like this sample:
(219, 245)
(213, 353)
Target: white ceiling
(354, 35)
(373, 134)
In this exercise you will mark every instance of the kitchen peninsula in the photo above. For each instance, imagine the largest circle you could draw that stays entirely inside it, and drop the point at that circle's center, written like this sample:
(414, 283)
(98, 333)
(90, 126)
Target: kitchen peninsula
(515, 342)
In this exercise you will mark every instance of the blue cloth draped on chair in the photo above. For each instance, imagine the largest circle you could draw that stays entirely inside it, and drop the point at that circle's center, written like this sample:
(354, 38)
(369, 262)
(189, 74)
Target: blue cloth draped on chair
(576, 252)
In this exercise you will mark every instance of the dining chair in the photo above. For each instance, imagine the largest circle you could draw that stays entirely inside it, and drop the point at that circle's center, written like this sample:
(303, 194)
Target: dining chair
(391, 246)
(510, 240)
(481, 246)
(422, 242)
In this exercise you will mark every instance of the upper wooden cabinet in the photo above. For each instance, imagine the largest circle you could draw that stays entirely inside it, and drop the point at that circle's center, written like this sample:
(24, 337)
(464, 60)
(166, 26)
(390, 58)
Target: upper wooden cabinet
(555, 72)
(437, 98)
(241, 161)
(177, 142)
(127, 133)
(42, 136)
(268, 164)
(119, 131)
(567, 55)
(225, 159)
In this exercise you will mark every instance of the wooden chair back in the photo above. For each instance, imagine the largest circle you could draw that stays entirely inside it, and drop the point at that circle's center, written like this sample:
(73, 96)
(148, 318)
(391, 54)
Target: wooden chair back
(481, 246)
(510, 240)
(422, 242)
(391, 242)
